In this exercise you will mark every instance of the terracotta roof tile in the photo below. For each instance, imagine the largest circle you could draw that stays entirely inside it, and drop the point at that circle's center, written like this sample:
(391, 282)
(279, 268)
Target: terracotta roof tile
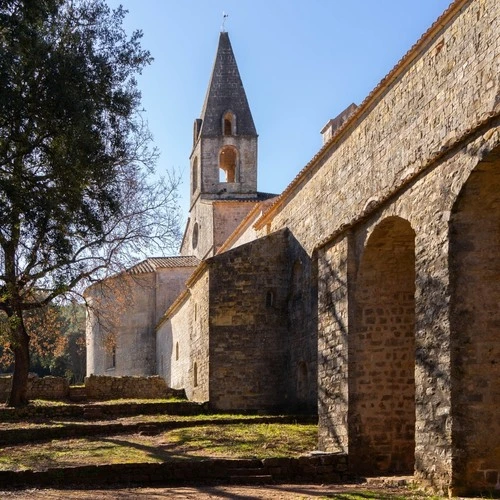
(151, 264)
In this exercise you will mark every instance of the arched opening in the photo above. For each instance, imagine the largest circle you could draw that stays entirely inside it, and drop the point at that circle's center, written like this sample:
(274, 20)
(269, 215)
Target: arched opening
(195, 235)
(177, 351)
(229, 124)
(475, 327)
(382, 353)
(270, 298)
(111, 358)
(195, 374)
(227, 164)
(195, 174)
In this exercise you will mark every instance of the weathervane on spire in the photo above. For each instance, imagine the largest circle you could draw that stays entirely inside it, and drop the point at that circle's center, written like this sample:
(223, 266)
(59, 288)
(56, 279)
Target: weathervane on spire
(224, 17)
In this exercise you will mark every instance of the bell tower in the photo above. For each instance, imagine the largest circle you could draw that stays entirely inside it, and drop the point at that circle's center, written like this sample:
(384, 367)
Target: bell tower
(224, 156)
(223, 184)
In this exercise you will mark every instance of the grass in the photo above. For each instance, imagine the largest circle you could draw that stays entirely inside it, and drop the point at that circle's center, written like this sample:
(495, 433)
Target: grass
(246, 440)
(60, 421)
(230, 441)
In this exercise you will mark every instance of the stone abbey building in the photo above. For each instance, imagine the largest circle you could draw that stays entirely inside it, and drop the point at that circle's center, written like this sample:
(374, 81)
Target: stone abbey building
(368, 290)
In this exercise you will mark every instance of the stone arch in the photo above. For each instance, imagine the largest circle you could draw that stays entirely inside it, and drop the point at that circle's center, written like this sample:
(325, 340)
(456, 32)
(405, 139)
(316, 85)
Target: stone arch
(474, 265)
(381, 353)
(228, 162)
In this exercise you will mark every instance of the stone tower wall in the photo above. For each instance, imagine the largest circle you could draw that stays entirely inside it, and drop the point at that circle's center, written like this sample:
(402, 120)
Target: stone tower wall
(248, 326)
(201, 215)
(227, 216)
(246, 174)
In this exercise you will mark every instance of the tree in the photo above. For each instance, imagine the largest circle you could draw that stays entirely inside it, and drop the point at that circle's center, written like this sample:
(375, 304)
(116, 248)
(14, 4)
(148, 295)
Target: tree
(76, 203)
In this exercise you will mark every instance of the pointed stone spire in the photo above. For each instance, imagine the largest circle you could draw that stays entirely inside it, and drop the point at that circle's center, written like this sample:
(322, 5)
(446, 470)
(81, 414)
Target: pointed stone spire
(226, 93)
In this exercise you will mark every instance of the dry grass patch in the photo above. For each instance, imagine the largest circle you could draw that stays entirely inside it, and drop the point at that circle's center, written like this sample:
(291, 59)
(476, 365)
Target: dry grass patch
(231, 441)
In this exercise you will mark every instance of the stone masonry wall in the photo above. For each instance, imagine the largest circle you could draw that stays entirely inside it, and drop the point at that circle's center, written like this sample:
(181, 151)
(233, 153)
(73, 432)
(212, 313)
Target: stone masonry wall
(339, 263)
(122, 314)
(381, 353)
(475, 326)
(248, 327)
(197, 388)
(102, 388)
(301, 343)
(202, 245)
(334, 261)
(227, 216)
(49, 388)
(246, 173)
(170, 282)
(173, 347)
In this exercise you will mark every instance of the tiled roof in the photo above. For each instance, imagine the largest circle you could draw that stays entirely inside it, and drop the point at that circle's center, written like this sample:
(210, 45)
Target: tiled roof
(257, 197)
(151, 264)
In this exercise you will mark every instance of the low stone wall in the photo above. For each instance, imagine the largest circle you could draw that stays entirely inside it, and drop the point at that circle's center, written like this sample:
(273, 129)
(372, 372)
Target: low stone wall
(317, 469)
(101, 388)
(51, 388)
(101, 411)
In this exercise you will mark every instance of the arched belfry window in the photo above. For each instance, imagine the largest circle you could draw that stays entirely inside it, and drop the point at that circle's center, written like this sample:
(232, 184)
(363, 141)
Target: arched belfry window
(229, 124)
(228, 158)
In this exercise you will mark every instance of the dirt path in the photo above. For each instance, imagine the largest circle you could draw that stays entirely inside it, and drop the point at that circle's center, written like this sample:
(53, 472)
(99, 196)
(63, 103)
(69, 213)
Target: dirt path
(270, 492)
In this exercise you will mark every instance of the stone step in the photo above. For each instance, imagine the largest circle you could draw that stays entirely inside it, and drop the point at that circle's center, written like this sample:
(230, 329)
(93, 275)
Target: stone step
(246, 471)
(260, 479)
(91, 413)
(77, 394)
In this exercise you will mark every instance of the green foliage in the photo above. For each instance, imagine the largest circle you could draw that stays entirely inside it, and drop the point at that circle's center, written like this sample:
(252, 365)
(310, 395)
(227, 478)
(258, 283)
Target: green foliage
(75, 200)
(57, 345)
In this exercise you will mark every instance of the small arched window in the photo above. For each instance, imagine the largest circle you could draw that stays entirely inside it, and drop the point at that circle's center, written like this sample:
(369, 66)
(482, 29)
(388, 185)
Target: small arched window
(229, 124)
(195, 174)
(177, 351)
(195, 375)
(269, 298)
(195, 235)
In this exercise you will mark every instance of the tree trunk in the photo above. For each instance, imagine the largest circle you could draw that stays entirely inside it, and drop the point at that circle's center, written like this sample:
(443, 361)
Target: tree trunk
(19, 392)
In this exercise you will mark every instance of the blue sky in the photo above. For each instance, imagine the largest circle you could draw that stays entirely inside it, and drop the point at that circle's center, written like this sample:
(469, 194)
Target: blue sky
(301, 61)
